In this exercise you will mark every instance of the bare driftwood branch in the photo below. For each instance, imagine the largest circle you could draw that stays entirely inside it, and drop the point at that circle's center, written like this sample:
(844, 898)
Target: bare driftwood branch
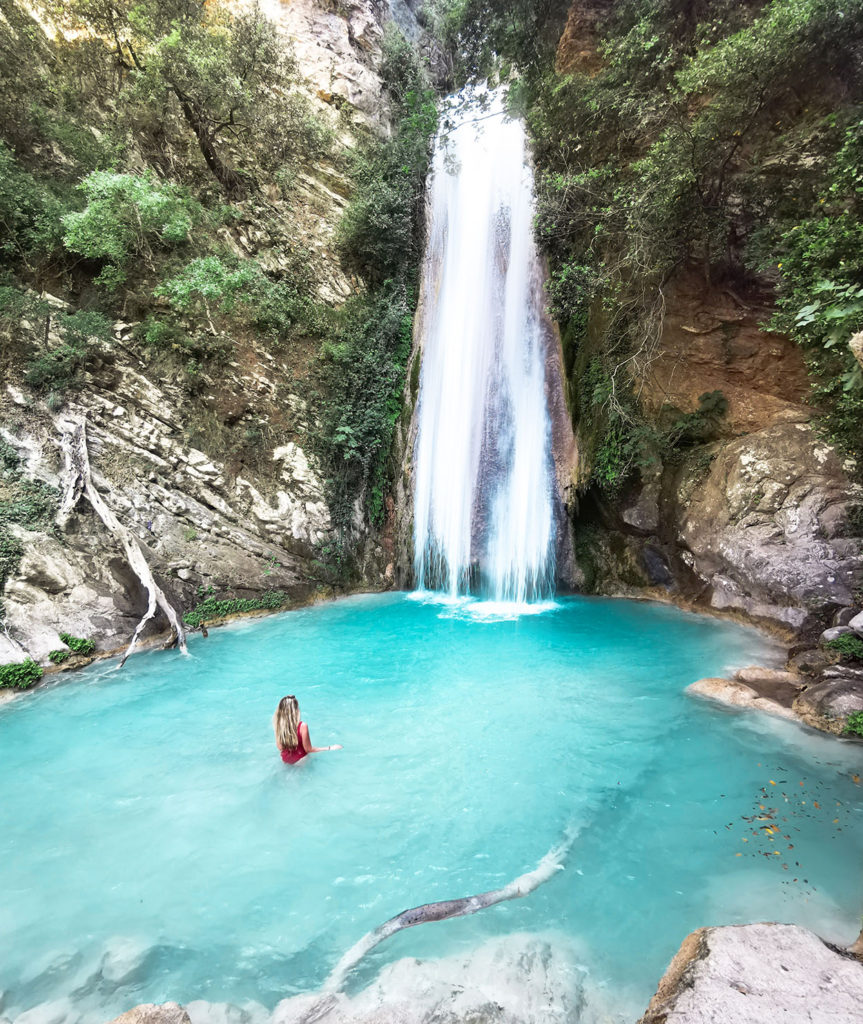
(519, 887)
(79, 482)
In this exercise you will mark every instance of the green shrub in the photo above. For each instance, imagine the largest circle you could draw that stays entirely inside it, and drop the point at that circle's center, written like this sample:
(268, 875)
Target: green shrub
(77, 644)
(209, 283)
(30, 213)
(362, 370)
(58, 657)
(848, 645)
(382, 225)
(217, 608)
(128, 215)
(722, 139)
(57, 369)
(20, 675)
(854, 724)
(28, 503)
(11, 553)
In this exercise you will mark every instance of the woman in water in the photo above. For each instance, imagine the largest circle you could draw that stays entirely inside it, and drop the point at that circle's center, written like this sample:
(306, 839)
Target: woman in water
(292, 735)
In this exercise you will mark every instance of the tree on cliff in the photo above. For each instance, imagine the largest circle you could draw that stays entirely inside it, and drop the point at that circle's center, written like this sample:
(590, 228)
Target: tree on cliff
(229, 75)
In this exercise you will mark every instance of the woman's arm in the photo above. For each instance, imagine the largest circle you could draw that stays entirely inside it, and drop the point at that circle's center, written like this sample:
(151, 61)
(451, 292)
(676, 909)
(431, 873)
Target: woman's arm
(307, 743)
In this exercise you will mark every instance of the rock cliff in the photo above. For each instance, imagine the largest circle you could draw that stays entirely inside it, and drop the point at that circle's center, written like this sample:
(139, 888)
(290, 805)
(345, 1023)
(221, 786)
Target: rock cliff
(760, 521)
(217, 481)
(759, 515)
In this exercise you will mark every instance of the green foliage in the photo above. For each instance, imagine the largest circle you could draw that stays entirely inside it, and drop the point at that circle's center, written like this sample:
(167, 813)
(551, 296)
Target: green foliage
(127, 215)
(57, 369)
(58, 657)
(218, 608)
(30, 213)
(362, 371)
(25, 502)
(721, 137)
(77, 644)
(819, 259)
(365, 352)
(854, 724)
(333, 564)
(848, 645)
(20, 675)
(11, 552)
(381, 229)
(210, 283)
(698, 427)
(227, 73)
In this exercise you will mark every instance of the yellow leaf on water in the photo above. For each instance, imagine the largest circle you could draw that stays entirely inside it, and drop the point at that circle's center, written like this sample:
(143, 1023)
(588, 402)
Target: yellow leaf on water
(835, 821)
(772, 783)
(855, 778)
(816, 804)
(738, 854)
(775, 853)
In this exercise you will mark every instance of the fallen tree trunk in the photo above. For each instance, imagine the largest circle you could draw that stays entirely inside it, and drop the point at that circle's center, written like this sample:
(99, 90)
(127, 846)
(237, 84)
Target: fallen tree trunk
(80, 482)
(519, 887)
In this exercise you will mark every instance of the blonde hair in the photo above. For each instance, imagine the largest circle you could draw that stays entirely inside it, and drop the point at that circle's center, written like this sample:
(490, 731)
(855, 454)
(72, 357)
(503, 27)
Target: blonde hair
(286, 721)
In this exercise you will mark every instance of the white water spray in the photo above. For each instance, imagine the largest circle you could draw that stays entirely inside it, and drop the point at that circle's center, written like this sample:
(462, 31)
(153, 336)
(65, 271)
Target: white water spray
(483, 468)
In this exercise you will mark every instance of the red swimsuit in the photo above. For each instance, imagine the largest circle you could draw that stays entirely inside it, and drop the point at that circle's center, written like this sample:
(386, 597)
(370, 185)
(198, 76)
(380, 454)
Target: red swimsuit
(298, 753)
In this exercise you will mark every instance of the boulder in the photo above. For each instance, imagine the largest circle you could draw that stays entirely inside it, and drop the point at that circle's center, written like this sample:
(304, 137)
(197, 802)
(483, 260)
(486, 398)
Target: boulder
(748, 974)
(754, 674)
(734, 693)
(844, 616)
(857, 624)
(768, 527)
(826, 704)
(835, 632)
(154, 1013)
(812, 662)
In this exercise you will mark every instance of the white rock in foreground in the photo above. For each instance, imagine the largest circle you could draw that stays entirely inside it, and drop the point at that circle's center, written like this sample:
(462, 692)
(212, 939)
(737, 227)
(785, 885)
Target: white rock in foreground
(749, 974)
(738, 694)
(154, 1013)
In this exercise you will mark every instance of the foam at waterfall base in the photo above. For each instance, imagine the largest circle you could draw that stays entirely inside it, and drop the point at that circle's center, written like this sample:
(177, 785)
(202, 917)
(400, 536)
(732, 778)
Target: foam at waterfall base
(480, 609)
(520, 978)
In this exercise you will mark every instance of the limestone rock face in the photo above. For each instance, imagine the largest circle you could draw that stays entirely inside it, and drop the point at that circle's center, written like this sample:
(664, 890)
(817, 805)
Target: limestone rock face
(746, 974)
(759, 521)
(200, 522)
(766, 527)
(216, 479)
(154, 1013)
(826, 704)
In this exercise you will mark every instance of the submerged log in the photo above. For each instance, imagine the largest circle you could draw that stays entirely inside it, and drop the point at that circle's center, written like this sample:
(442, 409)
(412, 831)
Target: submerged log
(79, 482)
(519, 887)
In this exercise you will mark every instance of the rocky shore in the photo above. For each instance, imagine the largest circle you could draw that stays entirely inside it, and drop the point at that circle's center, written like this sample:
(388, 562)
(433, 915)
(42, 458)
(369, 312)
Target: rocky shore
(821, 686)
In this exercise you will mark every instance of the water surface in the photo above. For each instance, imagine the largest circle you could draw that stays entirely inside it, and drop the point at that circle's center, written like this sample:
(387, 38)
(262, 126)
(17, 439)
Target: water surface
(153, 845)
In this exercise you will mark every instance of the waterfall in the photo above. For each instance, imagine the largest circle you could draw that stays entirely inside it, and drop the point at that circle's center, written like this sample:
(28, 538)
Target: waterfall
(483, 474)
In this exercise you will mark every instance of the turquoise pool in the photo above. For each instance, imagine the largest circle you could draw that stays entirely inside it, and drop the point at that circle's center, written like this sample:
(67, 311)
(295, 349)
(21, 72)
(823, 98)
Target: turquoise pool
(153, 846)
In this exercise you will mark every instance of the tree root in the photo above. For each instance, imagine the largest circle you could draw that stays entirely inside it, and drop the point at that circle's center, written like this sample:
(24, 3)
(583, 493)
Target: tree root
(79, 482)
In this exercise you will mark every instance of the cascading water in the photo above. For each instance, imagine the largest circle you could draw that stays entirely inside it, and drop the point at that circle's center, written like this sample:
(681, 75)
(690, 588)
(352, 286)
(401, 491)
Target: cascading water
(483, 469)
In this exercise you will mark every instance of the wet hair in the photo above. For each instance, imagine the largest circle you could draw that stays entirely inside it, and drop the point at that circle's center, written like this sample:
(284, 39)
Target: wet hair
(286, 721)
